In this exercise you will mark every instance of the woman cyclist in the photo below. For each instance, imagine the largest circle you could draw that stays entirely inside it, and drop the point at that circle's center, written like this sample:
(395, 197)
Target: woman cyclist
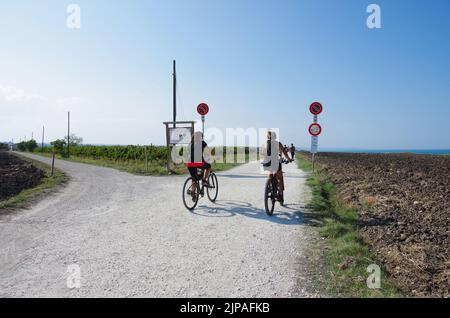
(274, 156)
(197, 147)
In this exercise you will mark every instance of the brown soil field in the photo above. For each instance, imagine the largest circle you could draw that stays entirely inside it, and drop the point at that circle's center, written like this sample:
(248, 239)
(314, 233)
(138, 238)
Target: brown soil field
(16, 175)
(403, 203)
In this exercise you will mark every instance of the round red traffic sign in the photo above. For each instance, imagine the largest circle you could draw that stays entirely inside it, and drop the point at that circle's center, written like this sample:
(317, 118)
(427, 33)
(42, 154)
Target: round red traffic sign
(203, 109)
(316, 108)
(315, 129)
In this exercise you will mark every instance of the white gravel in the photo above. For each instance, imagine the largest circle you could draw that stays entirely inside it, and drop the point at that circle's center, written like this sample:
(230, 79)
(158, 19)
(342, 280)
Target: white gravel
(132, 237)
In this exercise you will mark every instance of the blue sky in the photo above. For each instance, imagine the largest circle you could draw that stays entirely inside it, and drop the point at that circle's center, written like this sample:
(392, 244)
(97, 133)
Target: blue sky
(256, 63)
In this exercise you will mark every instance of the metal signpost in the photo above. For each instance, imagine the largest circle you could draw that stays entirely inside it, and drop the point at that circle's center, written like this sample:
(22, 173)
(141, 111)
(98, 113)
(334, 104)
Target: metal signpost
(203, 110)
(315, 129)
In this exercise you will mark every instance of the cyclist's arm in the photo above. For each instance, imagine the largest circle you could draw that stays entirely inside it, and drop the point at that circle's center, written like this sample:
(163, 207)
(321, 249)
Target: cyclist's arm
(284, 152)
(207, 152)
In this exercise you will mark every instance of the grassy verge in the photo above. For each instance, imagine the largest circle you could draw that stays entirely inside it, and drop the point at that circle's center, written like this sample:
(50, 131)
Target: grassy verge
(138, 167)
(346, 257)
(47, 184)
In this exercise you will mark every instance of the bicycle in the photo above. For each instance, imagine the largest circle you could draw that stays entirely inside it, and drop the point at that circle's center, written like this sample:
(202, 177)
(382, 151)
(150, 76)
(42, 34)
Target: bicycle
(193, 188)
(272, 193)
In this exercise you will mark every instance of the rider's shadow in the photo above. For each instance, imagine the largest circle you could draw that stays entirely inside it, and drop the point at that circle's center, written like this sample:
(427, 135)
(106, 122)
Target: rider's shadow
(229, 208)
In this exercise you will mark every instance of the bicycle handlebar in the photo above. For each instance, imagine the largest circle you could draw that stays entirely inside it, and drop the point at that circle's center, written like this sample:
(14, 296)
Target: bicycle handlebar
(285, 161)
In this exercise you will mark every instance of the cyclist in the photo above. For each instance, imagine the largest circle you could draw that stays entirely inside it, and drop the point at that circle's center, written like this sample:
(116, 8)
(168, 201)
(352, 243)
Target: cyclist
(276, 156)
(292, 149)
(197, 147)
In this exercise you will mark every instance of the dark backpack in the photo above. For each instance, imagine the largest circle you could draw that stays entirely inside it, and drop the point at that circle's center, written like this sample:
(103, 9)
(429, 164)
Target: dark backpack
(269, 153)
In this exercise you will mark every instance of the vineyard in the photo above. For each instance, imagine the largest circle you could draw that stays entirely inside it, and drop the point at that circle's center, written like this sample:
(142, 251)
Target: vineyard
(115, 153)
(146, 160)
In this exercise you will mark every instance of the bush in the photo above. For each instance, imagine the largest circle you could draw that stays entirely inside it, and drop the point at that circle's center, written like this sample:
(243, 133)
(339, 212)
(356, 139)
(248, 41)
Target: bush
(58, 146)
(29, 145)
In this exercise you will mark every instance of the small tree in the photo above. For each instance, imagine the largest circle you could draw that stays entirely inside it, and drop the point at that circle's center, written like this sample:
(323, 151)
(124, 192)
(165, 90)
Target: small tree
(59, 145)
(74, 140)
(21, 146)
(31, 145)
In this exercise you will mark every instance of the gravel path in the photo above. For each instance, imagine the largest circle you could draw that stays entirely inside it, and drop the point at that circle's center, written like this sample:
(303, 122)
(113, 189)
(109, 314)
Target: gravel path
(132, 237)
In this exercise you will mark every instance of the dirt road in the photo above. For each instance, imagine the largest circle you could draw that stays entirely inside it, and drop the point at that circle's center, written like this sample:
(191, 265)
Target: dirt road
(131, 236)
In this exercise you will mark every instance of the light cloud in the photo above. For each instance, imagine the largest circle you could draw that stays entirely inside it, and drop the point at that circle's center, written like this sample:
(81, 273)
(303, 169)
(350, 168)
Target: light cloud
(70, 101)
(18, 95)
(11, 94)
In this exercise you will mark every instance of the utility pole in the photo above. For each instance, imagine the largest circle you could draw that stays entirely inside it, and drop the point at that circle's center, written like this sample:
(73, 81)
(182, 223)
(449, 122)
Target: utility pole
(174, 93)
(68, 134)
(32, 135)
(42, 145)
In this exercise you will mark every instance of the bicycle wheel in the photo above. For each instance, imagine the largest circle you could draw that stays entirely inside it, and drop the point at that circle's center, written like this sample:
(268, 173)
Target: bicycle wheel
(269, 197)
(190, 193)
(214, 190)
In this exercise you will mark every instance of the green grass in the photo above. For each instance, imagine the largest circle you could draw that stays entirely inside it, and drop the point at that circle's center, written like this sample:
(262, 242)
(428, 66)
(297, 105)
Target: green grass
(346, 258)
(302, 163)
(138, 167)
(47, 184)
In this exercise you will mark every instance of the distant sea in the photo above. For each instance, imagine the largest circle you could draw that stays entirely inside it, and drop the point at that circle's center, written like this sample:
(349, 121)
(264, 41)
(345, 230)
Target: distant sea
(417, 151)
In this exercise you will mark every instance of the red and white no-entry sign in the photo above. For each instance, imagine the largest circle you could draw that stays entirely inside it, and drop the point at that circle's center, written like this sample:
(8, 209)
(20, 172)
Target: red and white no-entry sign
(202, 109)
(315, 129)
(316, 108)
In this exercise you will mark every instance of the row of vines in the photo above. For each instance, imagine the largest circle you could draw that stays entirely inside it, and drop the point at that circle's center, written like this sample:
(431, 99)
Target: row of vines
(116, 153)
(123, 153)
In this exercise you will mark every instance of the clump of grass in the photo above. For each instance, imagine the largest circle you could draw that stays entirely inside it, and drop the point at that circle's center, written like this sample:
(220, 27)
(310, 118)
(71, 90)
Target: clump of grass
(47, 184)
(303, 164)
(347, 257)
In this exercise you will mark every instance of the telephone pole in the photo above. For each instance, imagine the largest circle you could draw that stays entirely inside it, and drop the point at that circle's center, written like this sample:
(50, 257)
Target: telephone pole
(174, 93)
(68, 134)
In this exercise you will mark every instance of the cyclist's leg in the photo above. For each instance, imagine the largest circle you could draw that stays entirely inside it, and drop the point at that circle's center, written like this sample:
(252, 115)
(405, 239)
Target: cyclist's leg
(207, 168)
(194, 187)
(280, 180)
(271, 177)
(193, 173)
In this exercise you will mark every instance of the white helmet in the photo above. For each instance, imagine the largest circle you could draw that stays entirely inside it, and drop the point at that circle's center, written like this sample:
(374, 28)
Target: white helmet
(272, 135)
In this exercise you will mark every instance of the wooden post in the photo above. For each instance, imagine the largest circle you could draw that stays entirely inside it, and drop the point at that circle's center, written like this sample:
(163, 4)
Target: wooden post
(146, 158)
(174, 93)
(68, 134)
(168, 148)
(53, 160)
(42, 145)
(151, 148)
